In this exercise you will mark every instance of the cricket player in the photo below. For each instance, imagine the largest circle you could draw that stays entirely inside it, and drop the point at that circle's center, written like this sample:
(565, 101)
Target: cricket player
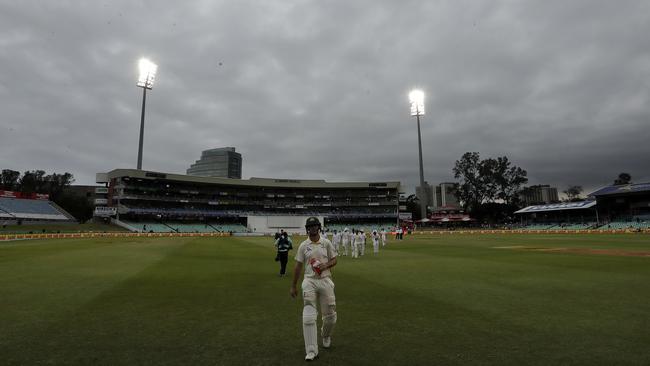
(345, 239)
(324, 234)
(362, 249)
(317, 255)
(336, 240)
(356, 246)
(383, 237)
(375, 242)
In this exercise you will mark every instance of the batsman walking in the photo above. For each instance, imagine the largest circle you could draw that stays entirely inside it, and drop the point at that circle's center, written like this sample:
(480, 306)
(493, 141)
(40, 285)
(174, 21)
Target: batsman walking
(317, 255)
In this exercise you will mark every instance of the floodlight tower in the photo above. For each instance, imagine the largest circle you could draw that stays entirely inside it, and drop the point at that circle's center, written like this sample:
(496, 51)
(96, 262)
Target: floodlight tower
(145, 81)
(416, 98)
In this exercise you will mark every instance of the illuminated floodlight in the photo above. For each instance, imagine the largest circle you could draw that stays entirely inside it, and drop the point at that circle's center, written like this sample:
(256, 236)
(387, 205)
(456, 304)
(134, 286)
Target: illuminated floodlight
(145, 81)
(147, 73)
(416, 97)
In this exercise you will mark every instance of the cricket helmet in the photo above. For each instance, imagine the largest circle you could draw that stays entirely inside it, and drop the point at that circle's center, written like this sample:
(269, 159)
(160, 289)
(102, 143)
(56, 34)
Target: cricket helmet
(312, 221)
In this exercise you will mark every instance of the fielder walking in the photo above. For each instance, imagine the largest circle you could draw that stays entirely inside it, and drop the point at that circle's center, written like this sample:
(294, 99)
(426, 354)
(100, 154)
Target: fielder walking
(375, 242)
(345, 238)
(336, 240)
(317, 255)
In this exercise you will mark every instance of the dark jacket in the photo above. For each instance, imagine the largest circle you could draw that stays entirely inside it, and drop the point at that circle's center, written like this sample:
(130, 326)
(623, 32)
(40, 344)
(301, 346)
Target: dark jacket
(284, 244)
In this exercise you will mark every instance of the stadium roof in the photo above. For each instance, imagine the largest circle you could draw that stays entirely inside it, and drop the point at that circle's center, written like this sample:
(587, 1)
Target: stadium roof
(558, 207)
(252, 182)
(622, 189)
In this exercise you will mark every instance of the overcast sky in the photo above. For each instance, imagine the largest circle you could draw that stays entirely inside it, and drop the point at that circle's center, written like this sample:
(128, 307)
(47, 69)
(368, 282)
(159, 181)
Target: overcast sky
(319, 89)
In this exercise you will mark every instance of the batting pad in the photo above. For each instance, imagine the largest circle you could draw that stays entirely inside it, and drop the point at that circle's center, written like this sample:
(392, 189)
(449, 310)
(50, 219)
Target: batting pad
(309, 315)
(329, 321)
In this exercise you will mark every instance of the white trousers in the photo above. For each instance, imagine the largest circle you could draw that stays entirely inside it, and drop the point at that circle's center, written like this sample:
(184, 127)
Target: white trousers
(317, 291)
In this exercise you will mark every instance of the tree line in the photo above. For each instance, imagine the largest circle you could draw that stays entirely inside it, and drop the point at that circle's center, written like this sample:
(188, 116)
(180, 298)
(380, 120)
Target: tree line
(55, 185)
(490, 189)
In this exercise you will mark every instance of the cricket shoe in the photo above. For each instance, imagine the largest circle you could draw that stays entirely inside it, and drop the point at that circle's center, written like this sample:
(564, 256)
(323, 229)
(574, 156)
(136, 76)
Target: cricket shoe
(311, 356)
(327, 342)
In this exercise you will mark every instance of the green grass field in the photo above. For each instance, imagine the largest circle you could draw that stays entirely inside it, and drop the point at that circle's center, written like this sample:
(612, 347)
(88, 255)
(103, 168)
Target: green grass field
(428, 300)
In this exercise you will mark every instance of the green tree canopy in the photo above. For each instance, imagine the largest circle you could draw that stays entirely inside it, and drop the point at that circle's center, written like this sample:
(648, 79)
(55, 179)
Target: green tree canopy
(487, 181)
(9, 179)
(623, 178)
(573, 193)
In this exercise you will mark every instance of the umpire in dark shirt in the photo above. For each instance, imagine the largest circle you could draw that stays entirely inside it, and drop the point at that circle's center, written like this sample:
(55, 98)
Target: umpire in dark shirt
(284, 245)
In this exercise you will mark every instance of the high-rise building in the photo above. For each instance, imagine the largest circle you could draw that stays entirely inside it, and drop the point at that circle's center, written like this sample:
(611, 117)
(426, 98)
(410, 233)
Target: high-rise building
(448, 195)
(539, 194)
(442, 195)
(219, 163)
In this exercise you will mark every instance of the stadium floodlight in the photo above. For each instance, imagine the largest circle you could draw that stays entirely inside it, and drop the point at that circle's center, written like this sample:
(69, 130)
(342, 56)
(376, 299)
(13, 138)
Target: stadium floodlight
(416, 97)
(145, 81)
(147, 73)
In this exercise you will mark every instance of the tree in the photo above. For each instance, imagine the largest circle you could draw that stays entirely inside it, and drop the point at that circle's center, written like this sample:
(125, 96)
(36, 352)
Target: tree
(472, 190)
(488, 180)
(623, 178)
(509, 180)
(489, 188)
(32, 181)
(413, 206)
(56, 183)
(75, 205)
(9, 179)
(573, 193)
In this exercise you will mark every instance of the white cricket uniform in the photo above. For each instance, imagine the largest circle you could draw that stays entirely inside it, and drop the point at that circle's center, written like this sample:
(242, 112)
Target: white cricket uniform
(375, 242)
(383, 238)
(356, 246)
(336, 241)
(317, 288)
(362, 249)
(345, 238)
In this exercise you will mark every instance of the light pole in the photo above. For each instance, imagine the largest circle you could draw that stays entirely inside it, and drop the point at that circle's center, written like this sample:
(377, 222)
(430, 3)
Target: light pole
(145, 81)
(416, 97)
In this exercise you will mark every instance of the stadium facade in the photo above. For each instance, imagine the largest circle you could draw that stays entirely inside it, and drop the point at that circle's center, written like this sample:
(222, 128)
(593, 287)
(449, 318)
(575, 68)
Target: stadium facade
(260, 204)
(625, 206)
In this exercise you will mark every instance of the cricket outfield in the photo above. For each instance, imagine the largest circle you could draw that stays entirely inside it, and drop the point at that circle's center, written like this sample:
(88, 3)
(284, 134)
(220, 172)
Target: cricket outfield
(431, 299)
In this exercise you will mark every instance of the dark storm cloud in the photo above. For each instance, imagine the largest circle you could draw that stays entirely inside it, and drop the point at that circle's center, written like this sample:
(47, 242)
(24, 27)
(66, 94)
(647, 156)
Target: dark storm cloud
(318, 89)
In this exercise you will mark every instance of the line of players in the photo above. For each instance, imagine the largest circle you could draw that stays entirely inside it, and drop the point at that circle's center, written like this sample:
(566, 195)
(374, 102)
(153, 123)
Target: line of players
(355, 241)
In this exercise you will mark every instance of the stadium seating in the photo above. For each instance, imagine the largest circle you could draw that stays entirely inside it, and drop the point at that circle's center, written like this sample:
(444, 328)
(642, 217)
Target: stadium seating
(576, 226)
(231, 228)
(18, 208)
(621, 225)
(540, 227)
(175, 227)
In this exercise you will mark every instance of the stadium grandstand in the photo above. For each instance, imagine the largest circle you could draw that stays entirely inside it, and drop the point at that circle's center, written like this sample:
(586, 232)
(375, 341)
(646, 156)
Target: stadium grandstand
(615, 207)
(160, 202)
(565, 215)
(27, 208)
(625, 206)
